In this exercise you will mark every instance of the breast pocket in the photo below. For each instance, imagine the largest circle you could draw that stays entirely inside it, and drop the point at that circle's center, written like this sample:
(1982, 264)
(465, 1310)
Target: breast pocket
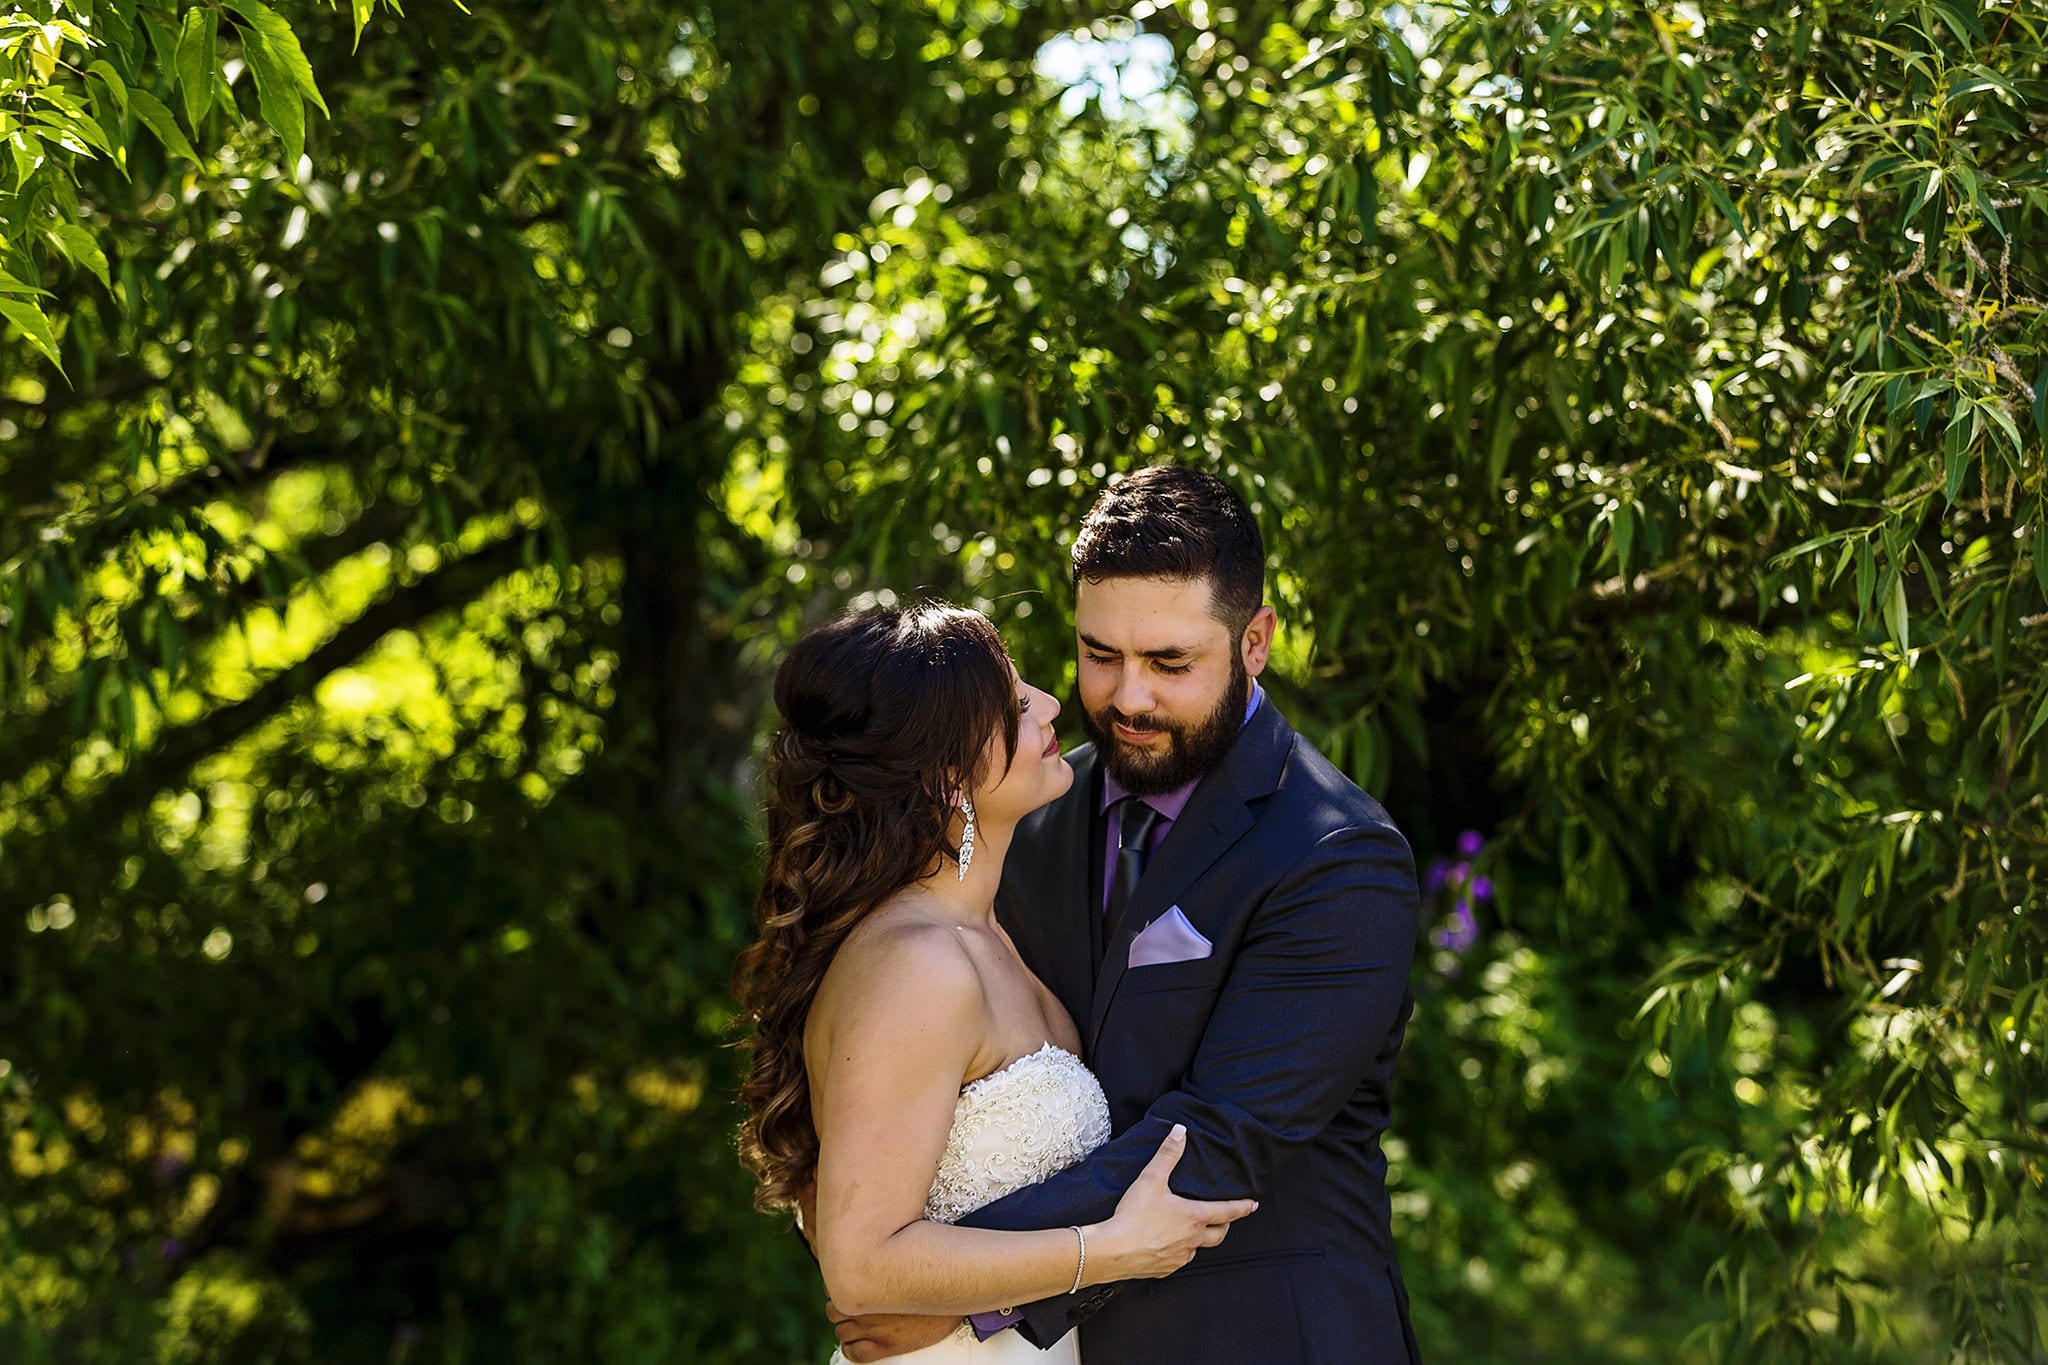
(1202, 974)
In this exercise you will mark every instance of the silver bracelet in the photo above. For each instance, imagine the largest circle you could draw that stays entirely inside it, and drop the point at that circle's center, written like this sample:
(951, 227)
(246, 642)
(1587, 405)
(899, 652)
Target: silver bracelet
(1083, 1265)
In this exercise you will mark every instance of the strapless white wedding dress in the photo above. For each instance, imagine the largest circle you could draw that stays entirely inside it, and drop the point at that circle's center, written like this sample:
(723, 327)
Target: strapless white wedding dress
(1012, 1128)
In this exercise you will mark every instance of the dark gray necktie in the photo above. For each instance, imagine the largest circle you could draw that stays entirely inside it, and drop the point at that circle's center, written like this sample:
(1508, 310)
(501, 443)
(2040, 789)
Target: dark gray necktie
(1134, 846)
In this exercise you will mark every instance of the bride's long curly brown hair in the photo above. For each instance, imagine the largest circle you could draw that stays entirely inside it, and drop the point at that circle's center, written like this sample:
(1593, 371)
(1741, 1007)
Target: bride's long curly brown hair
(886, 717)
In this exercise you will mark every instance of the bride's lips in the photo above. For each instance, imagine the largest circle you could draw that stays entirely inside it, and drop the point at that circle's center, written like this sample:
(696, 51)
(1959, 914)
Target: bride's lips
(1052, 747)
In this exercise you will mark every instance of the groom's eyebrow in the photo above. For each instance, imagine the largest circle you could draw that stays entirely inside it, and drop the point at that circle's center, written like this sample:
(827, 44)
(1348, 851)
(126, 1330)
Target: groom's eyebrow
(1170, 652)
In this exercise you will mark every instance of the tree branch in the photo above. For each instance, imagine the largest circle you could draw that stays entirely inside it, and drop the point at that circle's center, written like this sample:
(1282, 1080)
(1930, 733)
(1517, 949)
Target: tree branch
(245, 469)
(98, 814)
(1611, 604)
(28, 744)
(111, 389)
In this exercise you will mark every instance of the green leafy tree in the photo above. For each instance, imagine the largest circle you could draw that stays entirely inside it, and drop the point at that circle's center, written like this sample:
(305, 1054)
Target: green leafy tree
(1646, 411)
(76, 85)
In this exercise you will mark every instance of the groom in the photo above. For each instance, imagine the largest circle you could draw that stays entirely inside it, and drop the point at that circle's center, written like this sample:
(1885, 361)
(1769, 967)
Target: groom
(1230, 921)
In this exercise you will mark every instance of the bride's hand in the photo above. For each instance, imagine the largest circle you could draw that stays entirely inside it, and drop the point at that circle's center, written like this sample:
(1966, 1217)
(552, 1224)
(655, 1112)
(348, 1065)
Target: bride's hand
(1154, 1231)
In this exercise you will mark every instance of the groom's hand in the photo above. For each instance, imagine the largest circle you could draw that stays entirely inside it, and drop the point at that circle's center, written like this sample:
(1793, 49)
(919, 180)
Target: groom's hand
(881, 1335)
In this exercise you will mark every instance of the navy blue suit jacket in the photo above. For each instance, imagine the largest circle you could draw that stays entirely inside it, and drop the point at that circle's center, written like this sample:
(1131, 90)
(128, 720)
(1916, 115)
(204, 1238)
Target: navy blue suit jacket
(1277, 1052)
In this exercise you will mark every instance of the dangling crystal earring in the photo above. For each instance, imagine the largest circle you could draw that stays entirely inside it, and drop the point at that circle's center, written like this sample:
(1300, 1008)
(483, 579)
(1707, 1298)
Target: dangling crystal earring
(966, 836)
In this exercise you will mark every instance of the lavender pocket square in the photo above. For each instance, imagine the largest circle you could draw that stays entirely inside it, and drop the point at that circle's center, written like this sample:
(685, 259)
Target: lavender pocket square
(1170, 938)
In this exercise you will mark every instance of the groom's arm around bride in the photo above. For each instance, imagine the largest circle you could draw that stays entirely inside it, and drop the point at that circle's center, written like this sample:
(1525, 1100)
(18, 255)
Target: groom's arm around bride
(1284, 1098)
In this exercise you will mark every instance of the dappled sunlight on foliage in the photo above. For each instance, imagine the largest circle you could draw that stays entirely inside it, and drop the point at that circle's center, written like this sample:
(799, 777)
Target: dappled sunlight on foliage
(421, 434)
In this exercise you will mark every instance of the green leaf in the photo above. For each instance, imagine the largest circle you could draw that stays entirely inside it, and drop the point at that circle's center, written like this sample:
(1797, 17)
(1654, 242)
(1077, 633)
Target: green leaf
(1806, 547)
(2040, 715)
(1927, 189)
(34, 326)
(1866, 580)
(362, 9)
(1498, 437)
(282, 73)
(161, 37)
(27, 147)
(1960, 22)
(1990, 212)
(1896, 619)
(84, 128)
(1956, 448)
(78, 244)
(2001, 419)
(1848, 553)
(1850, 889)
(277, 38)
(279, 99)
(1981, 78)
(159, 120)
(1933, 579)
(111, 82)
(1725, 204)
(197, 63)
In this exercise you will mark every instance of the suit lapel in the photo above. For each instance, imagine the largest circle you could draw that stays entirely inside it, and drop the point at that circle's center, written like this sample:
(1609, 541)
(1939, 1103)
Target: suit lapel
(1217, 816)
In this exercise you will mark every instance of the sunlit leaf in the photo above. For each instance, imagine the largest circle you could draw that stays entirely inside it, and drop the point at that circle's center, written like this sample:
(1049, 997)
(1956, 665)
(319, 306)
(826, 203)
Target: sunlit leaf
(34, 325)
(197, 63)
(79, 246)
(160, 121)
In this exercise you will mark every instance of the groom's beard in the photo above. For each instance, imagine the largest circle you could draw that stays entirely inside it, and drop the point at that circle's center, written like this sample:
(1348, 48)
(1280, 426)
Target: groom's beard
(1190, 751)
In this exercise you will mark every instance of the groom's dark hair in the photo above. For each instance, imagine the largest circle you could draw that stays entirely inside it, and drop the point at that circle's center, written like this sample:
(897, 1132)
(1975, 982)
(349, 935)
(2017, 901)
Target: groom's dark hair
(1170, 521)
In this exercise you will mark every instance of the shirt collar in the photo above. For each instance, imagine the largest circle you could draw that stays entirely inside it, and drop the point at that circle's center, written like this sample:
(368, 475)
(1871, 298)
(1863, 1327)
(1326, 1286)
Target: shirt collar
(1171, 804)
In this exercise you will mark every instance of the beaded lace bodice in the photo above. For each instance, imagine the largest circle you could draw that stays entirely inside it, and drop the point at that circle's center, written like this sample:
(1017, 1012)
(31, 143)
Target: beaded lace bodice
(1015, 1127)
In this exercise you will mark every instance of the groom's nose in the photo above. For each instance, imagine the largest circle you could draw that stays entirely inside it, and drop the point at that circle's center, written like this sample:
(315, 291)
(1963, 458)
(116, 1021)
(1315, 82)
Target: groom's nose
(1133, 693)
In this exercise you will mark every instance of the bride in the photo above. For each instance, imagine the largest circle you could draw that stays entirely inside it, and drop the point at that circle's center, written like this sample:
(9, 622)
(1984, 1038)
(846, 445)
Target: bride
(905, 1061)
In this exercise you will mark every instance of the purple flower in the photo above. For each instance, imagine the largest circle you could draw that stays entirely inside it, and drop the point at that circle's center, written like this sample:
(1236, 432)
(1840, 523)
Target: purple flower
(1469, 843)
(1460, 933)
(1482, 889)
(1433, 879)
(171, 1248)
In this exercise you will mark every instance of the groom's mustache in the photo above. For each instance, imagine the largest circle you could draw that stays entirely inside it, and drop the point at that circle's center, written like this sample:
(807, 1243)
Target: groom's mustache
(1135, 723)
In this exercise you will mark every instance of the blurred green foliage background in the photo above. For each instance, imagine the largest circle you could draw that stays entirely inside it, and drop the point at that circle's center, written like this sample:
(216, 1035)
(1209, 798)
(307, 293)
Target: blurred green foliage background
(420, 433)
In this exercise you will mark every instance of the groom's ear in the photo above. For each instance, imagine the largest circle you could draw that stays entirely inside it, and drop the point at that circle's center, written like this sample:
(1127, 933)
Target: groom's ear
(1257, 640)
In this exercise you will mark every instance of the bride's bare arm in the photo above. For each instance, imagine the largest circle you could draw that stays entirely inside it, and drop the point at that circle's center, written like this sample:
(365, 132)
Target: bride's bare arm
(907, 1023)
(891, 1039)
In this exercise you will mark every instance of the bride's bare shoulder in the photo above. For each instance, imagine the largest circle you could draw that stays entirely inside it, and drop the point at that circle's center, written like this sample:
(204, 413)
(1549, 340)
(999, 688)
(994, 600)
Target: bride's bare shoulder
(901, 966)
